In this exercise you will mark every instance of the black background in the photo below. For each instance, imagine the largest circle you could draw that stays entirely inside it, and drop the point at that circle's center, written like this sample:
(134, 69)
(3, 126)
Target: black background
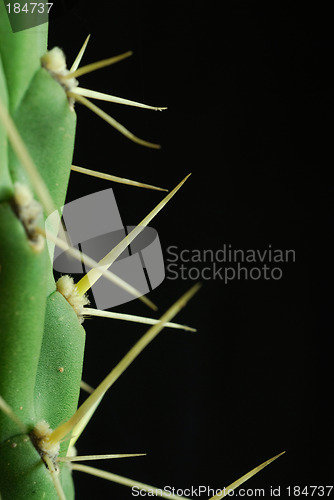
(249, 90)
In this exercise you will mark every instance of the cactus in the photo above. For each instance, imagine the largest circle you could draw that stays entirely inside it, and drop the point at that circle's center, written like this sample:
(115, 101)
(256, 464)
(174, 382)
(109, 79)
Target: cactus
(42, 338)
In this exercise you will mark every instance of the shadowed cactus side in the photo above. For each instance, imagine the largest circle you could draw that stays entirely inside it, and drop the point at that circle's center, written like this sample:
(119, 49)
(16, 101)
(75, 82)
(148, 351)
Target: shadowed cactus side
(42, 339)
(46, 124)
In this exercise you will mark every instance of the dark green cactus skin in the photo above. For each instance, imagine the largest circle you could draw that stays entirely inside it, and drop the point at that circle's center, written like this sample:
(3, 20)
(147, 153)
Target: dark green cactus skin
(60, 365)
(23, 299)
(41, 339)
(5, 181)
(24, 475)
